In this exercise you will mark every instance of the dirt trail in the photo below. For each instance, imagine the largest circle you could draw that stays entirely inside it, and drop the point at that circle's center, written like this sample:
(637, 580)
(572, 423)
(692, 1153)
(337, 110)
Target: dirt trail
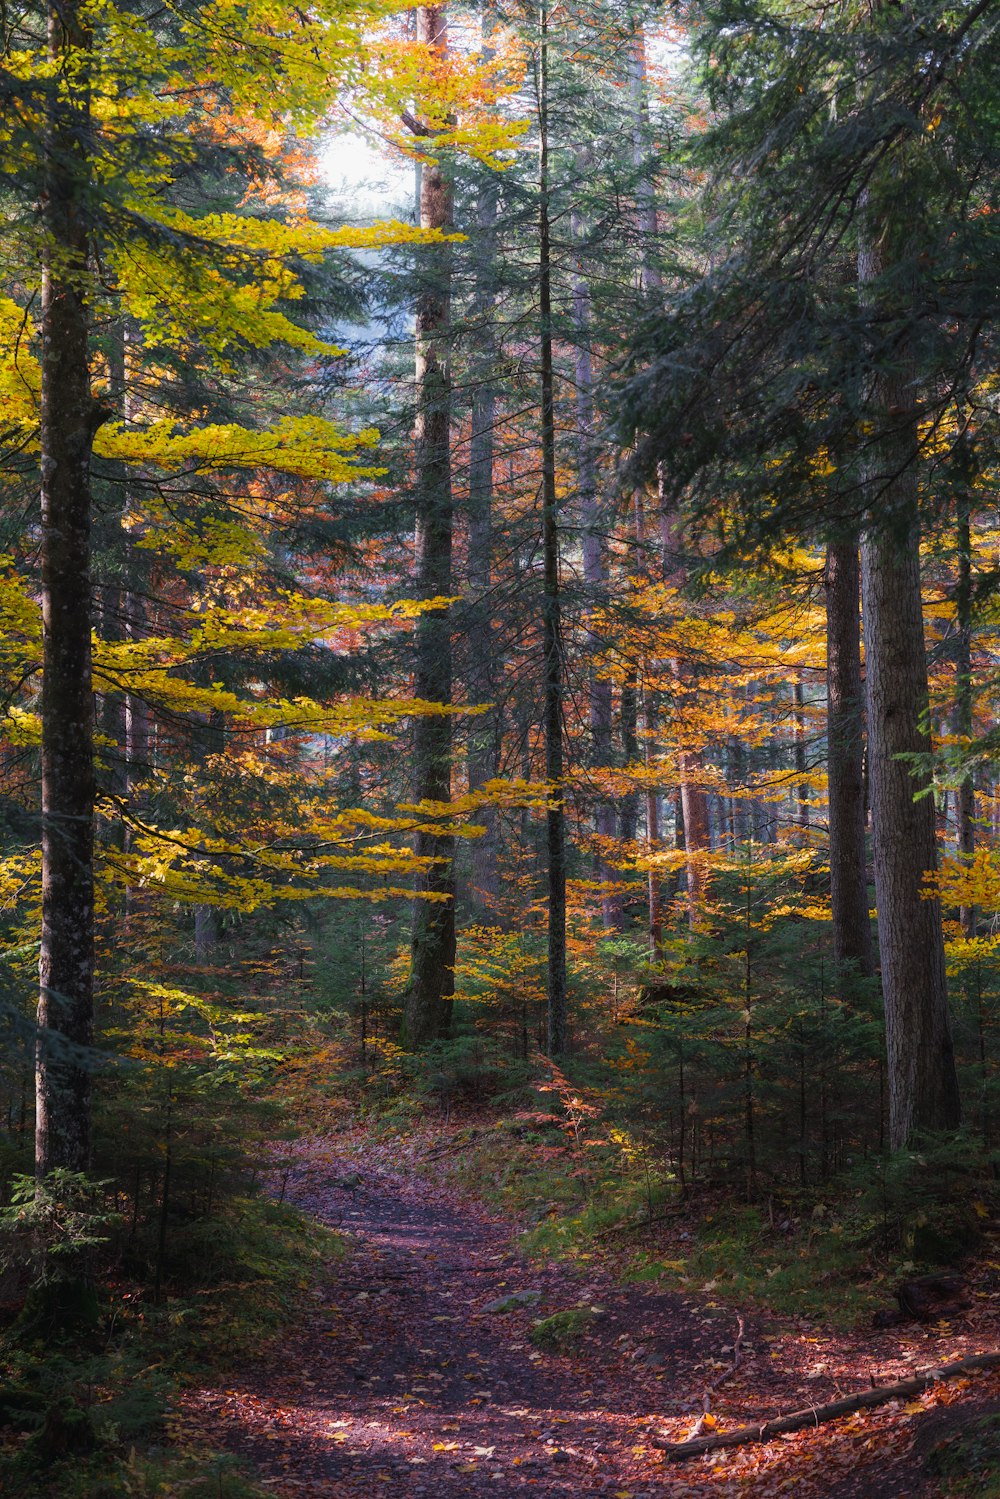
(405, 1383)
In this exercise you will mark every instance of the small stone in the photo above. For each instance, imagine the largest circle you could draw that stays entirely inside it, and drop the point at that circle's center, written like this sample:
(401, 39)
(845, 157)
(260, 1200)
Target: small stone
(515, 1299)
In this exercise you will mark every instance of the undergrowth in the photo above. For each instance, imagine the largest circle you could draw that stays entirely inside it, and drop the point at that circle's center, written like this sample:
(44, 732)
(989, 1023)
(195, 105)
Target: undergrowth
(968, 1462)
(586, 1181)
(96, 1418)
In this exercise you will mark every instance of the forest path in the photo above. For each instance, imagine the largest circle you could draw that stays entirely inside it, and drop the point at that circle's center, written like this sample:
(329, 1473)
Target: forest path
(404, 1383)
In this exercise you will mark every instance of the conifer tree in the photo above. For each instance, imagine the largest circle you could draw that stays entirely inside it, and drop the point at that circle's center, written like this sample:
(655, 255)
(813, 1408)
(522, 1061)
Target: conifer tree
(805, 396)
(432, 974)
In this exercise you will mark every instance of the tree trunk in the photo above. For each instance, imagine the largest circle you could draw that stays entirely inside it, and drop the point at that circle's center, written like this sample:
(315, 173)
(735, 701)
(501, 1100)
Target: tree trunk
(965, 792)
(482, 674)
(642, 153)
(628, 805)
(802, 790)
(923, 1086)
(697, 831)
(920, 1058)
(595, 569)
(137, 735)
(551, 607)
(208, 741)
(69, 418)
(694, 799)
(653, 881)
(427, 1009)
(852, 939)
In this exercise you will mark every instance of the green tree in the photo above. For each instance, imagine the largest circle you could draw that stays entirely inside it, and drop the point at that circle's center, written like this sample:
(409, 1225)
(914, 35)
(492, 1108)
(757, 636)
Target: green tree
(811, 399)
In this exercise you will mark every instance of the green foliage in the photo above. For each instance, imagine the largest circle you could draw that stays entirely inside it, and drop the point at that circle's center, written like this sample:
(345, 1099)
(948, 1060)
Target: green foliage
(561, 1332)
(794, 1265)
(55, 1222)
(471, 1071)
(243, 1277)
(969, 1460)
(930, 1204)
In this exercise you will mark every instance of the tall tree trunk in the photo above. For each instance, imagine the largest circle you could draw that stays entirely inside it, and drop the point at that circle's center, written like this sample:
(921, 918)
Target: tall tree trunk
(208, 740)
(551, 605)
(654, 883)
(595, 569)
(645, 195)
(922, 1081)
(484, 729)
(427, 1009)
(650, 718)
(852, 939)
(923, 1085)
(736, 770)
(802, 788)
(69, 418)
(690, 765)
(132, 725)
(647, 223)
(628, 716)
(965, 792)
(137, 726)
(697, 831)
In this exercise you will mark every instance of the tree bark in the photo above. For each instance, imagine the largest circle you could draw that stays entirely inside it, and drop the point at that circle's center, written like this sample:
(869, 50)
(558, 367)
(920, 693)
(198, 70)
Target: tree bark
(694, 799)
(965, 792)
(802, 789)
(482, 675)
(697, 831)
(923, 1085)
(852, 939)
(628, 805)
(654, 883)
(646, 214)
(427, 1007)
(920, 1058)
(551, 603)
(69, 419)
(595, 569)
(137, 722)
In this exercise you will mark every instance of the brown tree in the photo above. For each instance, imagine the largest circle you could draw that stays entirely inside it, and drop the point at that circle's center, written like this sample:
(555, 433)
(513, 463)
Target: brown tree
(852, 940)
(432, 959)
(70, 416)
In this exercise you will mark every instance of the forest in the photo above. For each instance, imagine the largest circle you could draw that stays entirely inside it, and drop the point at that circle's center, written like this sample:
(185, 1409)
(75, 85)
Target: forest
(500, 797)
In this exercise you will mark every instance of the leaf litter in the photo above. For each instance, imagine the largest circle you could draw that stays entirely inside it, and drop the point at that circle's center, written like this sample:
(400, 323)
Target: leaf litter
(418, 1391)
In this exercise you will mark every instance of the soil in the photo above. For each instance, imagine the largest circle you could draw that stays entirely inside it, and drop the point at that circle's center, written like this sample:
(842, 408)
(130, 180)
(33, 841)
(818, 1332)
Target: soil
(402, 1381)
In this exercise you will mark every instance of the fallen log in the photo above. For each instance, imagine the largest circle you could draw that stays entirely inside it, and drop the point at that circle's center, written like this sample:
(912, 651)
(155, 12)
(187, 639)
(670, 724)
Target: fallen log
(814, 1415)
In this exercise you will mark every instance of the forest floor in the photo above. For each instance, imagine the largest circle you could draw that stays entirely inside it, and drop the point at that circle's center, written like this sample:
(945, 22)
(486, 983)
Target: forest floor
(405, 1378)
